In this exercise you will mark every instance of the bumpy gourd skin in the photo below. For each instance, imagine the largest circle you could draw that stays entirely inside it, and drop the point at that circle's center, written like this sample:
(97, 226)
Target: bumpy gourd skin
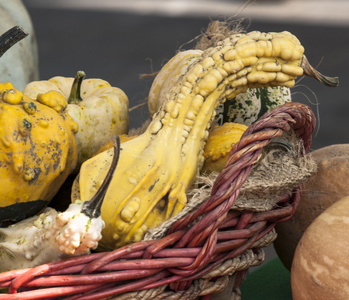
(156, 168)
(100, 110)
(168, 76)
(37, 151)
(48, 237)
(245, 108)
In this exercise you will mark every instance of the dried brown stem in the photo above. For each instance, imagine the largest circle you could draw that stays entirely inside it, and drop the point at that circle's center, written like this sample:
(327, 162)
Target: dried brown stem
(10, 38)
(311, 72)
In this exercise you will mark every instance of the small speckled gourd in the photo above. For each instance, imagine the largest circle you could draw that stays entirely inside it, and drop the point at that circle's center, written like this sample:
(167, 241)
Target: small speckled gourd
(37, 151)
(246, 108)
(157, 168)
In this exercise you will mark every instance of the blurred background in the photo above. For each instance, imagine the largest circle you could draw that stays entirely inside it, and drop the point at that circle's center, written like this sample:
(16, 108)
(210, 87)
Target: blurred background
(119, 40)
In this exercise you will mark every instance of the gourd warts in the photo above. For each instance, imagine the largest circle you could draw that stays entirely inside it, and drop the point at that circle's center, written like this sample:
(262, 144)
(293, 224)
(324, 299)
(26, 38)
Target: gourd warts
(165, 159)
(31, 139)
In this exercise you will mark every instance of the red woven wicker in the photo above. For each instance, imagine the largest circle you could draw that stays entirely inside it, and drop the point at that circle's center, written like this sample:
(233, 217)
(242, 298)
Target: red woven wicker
(186, 252)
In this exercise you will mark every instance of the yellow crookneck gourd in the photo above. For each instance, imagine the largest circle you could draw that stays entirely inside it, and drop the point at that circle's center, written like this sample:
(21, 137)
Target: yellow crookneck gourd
(167, 77)
(100, 110)
(37, 151)
(221, 139)
(156, 168)
(245, 108)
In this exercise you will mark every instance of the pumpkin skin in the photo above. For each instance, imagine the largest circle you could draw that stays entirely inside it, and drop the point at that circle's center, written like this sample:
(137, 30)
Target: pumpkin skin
(37, 152)
(320, 268)
(101, 112)
(325, 187)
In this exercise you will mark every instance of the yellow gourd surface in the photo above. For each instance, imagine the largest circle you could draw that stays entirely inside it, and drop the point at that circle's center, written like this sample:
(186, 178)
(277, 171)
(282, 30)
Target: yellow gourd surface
(218, 145)
(123, 138)
(156, 168)
(169, 74)
(37, 150)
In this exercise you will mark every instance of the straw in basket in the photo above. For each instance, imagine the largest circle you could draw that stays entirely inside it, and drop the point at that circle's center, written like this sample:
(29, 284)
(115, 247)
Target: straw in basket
(194, 255)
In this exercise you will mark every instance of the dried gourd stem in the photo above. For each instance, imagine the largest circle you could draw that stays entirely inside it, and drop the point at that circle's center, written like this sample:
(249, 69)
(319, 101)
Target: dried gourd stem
(75, 92)
(311, 72)
(137, 106)
(218, 31)
(92, 208)
(151, 75)
(11, 37)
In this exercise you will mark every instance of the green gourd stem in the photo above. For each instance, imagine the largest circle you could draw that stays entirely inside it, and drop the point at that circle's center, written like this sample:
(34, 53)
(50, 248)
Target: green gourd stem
(10, 38)
(92, 208)
(311, 72)
(75, 92)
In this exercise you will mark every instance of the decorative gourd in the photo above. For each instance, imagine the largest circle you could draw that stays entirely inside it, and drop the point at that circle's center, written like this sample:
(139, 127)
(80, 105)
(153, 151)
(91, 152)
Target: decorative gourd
(20, 65)
(245, 108)
(52, 235)
(37, 151)
(167, 77)
(156, 168)
(320, 268)
(218, 145)
(100, 110)
(326, 186)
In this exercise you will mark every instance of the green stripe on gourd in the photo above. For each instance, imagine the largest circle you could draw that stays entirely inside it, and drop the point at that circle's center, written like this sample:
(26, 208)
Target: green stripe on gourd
(246, 108)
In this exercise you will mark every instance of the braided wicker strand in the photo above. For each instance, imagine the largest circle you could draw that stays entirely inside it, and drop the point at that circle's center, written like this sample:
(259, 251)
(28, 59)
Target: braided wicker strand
(195, 245)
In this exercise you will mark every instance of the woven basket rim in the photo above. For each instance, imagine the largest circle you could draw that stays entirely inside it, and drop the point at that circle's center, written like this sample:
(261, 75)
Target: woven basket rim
(184, 254)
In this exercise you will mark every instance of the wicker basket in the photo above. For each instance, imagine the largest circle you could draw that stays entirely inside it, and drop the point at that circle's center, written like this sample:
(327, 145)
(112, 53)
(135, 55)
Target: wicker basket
(200, 251)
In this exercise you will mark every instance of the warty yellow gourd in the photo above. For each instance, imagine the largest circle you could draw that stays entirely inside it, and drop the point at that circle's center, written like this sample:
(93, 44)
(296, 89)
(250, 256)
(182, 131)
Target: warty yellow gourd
(37, 151)
(156, 168)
